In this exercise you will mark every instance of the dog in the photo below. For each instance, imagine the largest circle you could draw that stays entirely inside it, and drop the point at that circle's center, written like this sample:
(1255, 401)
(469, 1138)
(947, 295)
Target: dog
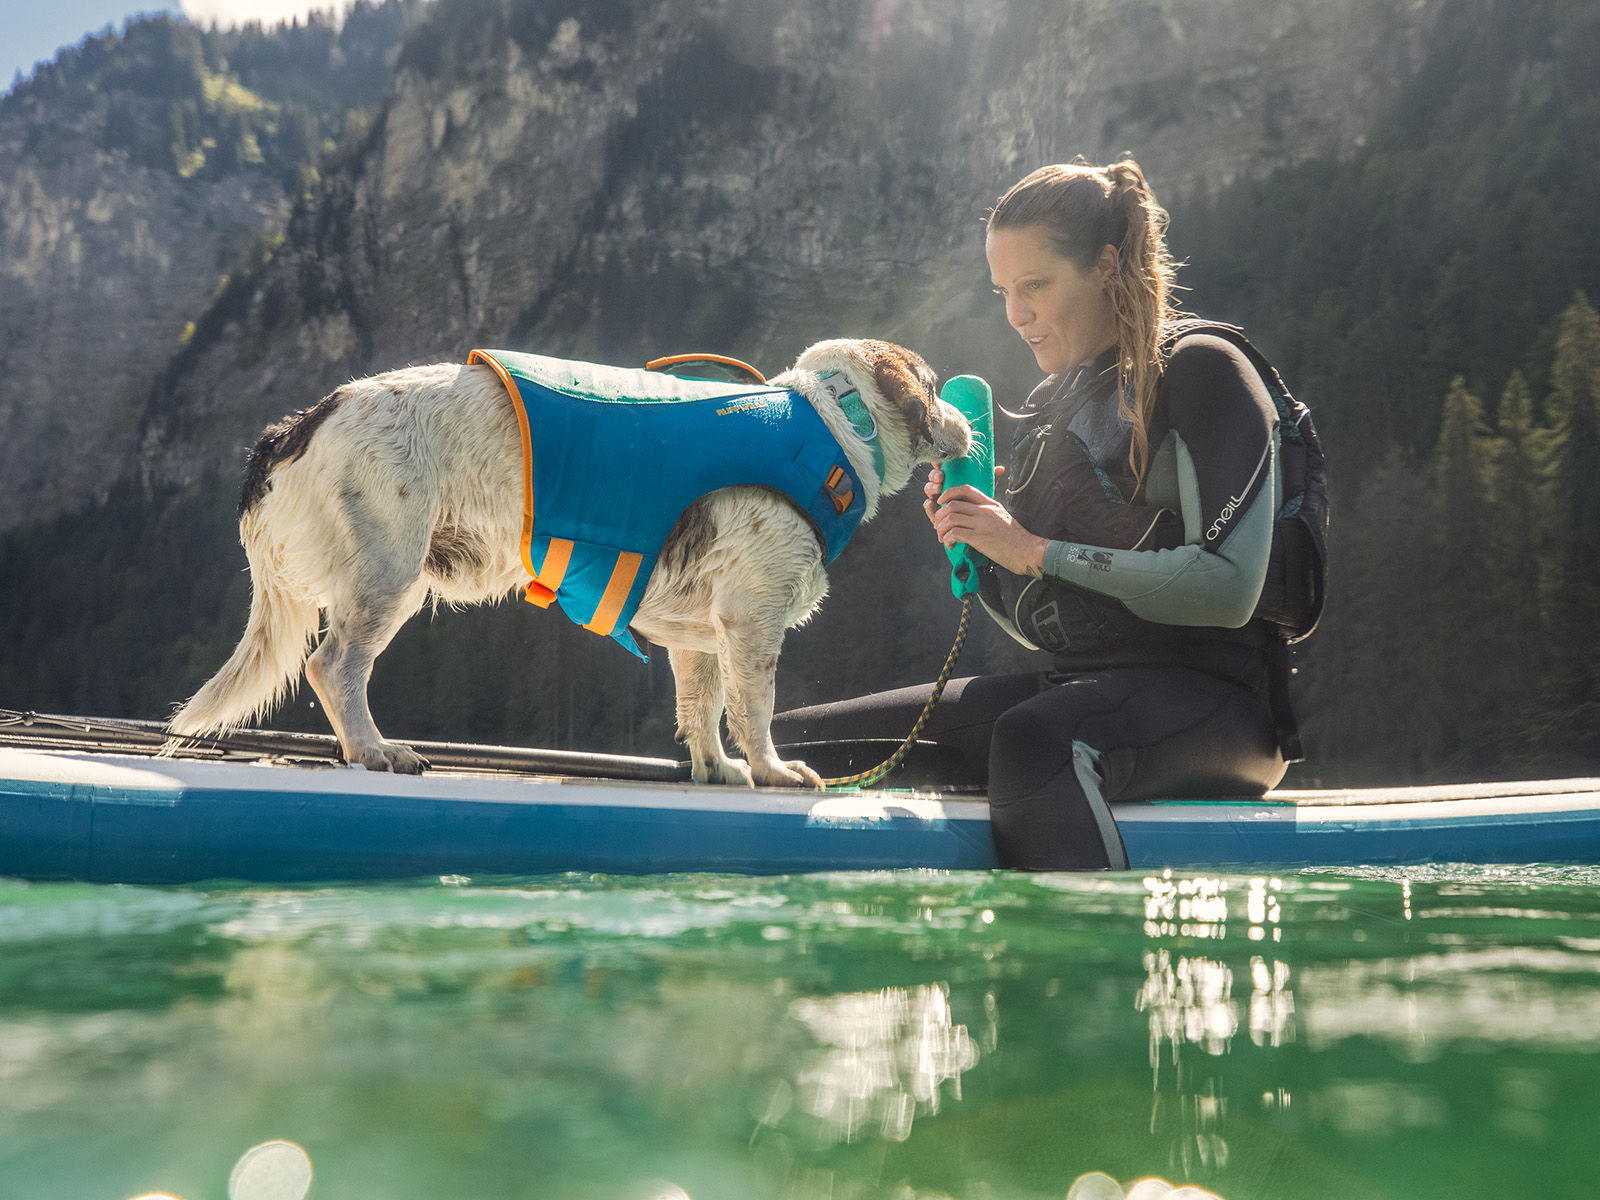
(399, 489)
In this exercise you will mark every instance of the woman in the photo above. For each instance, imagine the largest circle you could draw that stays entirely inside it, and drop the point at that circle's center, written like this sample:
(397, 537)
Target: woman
(1130, 538)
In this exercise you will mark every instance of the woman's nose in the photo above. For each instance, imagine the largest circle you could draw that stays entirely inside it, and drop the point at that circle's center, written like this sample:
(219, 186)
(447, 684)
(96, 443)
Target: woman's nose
(1018, 314)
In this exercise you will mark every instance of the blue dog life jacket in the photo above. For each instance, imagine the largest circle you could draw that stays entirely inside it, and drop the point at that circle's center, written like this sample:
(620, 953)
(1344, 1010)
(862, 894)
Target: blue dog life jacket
(611, 457)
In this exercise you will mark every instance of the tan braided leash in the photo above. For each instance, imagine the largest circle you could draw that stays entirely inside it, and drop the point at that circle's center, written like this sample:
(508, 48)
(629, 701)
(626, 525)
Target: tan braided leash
(867, 778)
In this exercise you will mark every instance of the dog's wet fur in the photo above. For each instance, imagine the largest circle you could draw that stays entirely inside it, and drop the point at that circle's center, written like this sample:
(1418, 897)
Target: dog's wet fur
(406, 488)
(282, 443)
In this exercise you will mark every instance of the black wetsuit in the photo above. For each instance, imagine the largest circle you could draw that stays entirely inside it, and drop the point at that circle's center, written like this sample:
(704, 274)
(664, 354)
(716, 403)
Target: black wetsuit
(1160, 680)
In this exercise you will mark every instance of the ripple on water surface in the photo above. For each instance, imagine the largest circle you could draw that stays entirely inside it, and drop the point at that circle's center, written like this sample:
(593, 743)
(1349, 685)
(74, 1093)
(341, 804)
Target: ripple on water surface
(909, 1035)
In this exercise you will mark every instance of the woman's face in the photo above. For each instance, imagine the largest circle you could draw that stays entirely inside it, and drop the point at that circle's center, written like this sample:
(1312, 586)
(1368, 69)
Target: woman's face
(1061, 312)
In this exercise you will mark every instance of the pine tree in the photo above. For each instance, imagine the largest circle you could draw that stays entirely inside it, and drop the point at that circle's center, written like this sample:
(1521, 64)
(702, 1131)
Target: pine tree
(1517, 516)
(1518, 554)
(1575, 481)
(1459, 473)
(1373, 713)
(1458, 635)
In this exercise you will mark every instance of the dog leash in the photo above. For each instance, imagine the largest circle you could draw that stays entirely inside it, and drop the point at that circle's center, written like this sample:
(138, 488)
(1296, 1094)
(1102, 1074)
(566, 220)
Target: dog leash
(866, 778)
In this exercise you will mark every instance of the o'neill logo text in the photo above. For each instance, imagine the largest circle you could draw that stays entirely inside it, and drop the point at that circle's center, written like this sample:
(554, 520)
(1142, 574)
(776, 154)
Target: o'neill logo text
(1098, 560)
(1226, 515)
(1234, 502)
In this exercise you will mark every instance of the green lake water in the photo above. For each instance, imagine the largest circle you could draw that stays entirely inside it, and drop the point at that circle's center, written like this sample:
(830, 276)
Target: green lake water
(1431, 1033)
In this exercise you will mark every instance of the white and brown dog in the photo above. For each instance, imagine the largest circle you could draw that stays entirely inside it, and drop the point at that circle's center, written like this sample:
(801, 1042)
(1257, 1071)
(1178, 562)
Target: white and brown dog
(401, 488)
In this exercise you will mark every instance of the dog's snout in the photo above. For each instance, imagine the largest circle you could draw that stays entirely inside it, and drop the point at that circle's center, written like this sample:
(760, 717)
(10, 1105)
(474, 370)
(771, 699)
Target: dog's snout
(952, 434)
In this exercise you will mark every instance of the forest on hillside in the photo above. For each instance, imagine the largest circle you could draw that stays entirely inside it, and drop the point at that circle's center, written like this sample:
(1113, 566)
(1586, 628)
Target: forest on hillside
(1432, 298)
(176, 97)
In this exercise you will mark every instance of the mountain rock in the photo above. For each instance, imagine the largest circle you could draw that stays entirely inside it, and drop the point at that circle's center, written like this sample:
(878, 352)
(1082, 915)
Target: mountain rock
(623, 178)
(137, 172)
(607, 179)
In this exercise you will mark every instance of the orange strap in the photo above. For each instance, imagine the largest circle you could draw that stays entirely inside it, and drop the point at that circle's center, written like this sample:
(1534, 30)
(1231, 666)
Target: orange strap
(478, 356)
(673, 360)
(546, 582)
(616, 593)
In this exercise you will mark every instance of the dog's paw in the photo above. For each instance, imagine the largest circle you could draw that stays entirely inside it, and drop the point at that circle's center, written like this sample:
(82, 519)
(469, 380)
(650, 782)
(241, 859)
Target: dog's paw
(389, 756)
(730, 771)
(793, 773)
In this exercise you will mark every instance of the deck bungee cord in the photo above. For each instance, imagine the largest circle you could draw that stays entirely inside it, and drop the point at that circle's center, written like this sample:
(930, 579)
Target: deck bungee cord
(48, 731)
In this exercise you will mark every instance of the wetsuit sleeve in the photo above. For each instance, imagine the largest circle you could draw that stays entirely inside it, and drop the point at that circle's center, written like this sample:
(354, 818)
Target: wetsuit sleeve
(1224, 427)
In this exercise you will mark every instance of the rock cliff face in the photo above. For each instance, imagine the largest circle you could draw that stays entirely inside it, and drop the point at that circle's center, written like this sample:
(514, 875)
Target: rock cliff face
(135, 173)
(612, 179)
(101, 265)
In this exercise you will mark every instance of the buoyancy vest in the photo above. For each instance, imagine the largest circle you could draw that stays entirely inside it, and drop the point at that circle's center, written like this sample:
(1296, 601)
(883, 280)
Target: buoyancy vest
(612, 457)
(1073, 445)
(1068, 480)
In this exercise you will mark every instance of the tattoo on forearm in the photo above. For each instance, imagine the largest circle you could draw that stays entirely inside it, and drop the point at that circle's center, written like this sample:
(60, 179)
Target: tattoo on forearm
(1035, 572)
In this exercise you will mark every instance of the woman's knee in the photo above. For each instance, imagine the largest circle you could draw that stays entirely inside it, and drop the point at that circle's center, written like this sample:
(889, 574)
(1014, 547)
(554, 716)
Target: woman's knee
(1029, 747)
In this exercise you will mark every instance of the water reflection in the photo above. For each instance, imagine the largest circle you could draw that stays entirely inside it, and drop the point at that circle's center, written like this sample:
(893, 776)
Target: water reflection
(1422, 1004)
(1373, 1108)
(1188, 1002)
(639, 1040)
(886, 1057)
(1421, 971)
(1185, 907)
(1263, 910)
(1271, 1003)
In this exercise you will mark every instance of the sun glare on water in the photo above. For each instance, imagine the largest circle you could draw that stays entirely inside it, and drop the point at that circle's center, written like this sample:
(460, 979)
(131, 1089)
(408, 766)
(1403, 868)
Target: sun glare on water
(270, 1171)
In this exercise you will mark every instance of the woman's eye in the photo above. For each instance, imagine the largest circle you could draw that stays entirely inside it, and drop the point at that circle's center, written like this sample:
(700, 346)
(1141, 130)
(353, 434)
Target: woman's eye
(1033, 285)
(1001, 292)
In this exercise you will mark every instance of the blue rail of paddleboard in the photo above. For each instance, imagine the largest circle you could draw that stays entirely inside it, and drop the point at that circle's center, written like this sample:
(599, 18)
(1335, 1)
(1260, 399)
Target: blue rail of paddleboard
(138, 821)
(193, 833)
(1230, 834)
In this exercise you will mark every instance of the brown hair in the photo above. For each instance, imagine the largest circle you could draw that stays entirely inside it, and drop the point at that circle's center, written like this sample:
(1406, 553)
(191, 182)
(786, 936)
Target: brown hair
(1083, 209)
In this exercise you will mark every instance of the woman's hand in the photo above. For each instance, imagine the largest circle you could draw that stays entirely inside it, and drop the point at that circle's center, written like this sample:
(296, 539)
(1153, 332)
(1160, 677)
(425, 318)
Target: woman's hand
(964, 514)
(931, 491)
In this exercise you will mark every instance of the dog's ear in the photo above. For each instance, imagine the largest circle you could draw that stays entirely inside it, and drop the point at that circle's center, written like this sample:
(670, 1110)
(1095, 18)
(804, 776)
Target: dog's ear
(903, 379)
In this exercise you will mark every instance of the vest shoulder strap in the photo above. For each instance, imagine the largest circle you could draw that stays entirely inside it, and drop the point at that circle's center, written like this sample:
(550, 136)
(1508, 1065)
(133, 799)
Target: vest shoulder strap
(1293, 597)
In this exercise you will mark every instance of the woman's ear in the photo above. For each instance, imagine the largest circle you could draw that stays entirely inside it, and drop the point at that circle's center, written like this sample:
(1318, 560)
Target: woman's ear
(1106, 265)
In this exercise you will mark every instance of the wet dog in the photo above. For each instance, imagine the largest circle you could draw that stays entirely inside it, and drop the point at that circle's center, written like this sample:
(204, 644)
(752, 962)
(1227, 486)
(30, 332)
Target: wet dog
(399, 489)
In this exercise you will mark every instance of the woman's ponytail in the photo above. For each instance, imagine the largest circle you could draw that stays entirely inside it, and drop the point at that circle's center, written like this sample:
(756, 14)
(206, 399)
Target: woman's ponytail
(1141, 294)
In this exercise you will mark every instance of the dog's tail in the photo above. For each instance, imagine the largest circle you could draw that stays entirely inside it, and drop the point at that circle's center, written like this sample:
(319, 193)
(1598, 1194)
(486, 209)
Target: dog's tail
(265, 665)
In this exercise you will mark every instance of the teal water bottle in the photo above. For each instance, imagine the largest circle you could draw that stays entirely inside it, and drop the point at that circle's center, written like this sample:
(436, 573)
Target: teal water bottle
(970, 396)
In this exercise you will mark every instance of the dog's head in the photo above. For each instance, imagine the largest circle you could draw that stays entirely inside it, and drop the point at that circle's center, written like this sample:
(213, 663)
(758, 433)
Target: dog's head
(912, 425)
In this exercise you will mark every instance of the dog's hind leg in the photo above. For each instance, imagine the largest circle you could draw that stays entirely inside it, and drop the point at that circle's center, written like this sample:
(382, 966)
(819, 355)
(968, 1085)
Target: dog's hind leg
(382, 587)
(699, 685)
(339, 669)
(747, 651)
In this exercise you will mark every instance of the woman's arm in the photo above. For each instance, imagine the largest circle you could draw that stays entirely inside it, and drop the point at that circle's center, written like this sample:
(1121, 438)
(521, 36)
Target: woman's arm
(1224, 431)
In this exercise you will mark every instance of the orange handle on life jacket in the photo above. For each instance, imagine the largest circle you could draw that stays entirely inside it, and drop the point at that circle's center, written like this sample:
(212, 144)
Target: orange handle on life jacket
(679, 360)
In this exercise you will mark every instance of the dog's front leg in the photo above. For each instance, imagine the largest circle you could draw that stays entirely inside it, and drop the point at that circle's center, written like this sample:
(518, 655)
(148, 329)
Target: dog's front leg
(699, 684)
(747, 649)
